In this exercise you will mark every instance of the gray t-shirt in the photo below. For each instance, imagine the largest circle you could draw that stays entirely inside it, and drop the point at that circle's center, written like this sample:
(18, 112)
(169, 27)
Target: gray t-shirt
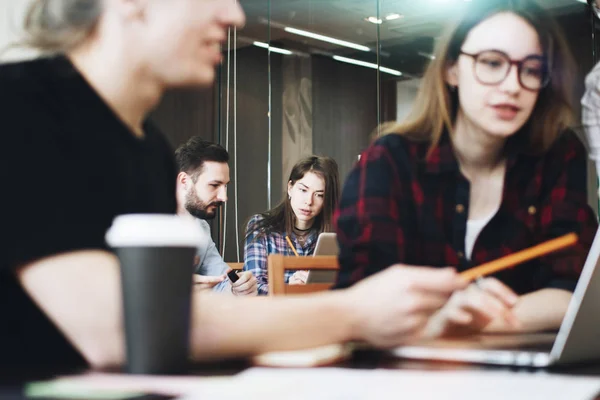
(210, 261)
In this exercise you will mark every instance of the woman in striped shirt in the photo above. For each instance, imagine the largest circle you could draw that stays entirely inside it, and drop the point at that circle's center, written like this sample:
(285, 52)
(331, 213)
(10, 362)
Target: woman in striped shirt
(292, 227)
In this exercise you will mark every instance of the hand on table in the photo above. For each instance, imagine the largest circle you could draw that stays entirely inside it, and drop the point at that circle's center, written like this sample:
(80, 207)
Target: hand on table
(473, 309)
(299, 278)
(394, 306)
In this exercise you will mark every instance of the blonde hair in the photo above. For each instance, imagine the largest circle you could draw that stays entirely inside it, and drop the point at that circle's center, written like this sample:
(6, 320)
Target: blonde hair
(436, 105)
(57, 26)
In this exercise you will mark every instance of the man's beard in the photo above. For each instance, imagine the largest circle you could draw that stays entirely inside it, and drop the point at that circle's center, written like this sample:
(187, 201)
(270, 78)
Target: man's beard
(198, 208)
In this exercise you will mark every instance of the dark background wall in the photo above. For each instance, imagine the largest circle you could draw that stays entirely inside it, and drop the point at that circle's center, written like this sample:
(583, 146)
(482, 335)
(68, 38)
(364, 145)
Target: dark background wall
(253, 141)
(186, 113)
(344, 110)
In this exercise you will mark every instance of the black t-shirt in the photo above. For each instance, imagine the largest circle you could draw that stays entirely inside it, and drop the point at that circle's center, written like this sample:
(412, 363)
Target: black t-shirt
(68, 167)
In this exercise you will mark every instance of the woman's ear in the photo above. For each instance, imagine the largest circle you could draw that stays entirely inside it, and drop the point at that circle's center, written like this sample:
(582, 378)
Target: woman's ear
(452, 74)
(133, 9)
(290, 186)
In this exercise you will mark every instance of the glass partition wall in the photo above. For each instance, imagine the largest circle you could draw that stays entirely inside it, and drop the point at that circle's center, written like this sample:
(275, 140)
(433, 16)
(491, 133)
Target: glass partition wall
(318, 77)
(307, 83)
(246, 118)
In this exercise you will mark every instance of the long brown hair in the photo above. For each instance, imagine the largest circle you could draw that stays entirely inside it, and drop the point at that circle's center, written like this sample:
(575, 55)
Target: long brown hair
(436, 106)
(282, 217)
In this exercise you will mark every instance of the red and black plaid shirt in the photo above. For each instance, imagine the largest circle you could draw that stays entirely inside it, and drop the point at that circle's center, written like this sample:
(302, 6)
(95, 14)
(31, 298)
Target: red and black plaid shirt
(398, 208)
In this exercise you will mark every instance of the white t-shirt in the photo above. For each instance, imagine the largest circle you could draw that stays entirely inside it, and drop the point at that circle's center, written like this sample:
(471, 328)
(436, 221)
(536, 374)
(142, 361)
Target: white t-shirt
(474, 228)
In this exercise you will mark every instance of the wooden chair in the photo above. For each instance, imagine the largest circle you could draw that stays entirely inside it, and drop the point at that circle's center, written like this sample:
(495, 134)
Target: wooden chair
(236, 266)
(277, 264)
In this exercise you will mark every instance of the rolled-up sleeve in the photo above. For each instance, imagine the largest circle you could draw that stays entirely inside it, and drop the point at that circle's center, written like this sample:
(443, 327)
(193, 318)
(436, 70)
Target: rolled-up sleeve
(213, 265)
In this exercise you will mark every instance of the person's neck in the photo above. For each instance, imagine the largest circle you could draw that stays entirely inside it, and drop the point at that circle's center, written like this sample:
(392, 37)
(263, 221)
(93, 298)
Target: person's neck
(303, 225)
(130, 91)
(477, 152)
(182, 212)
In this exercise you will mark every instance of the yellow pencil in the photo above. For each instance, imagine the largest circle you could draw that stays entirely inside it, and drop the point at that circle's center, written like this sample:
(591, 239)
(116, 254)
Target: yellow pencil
(519, 257)
(292, 246)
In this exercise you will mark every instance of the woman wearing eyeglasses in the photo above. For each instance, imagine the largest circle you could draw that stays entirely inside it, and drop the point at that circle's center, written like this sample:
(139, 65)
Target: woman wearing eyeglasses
(481, 168)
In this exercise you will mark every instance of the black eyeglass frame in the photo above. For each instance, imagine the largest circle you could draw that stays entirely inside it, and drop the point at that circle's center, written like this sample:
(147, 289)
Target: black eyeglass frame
(518, 63)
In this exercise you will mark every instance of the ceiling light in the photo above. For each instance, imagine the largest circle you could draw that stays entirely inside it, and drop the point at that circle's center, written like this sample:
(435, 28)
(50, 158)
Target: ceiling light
(391, 17)
(367, 64)
(375, 20)
(426, 55)
(273, 49)
(379, 21)
(327, 39)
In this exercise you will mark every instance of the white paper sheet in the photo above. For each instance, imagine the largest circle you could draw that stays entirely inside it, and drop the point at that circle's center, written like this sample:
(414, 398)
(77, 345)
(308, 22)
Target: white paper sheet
(335, 383)
(350, 384)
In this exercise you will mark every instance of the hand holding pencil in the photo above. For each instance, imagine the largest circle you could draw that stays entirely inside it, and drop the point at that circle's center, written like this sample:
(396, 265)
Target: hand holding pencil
(488, 300)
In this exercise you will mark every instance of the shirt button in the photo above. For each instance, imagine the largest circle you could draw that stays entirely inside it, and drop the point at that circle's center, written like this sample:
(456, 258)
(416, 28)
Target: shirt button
(532, 210)
(460, 254)
(460, 208)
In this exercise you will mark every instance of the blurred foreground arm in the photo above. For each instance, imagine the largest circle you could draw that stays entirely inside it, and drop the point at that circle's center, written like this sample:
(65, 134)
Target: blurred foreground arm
(80, 292)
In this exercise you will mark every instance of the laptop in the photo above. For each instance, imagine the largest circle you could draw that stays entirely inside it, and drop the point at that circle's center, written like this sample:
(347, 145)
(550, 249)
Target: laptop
(326, 246)
(575, 342)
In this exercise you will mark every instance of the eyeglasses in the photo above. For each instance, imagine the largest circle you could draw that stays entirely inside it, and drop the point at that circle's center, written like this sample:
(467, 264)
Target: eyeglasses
(491, 67)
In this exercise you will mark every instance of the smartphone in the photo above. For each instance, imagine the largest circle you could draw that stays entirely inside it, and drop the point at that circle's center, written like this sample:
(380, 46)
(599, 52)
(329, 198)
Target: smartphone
(233, 277)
